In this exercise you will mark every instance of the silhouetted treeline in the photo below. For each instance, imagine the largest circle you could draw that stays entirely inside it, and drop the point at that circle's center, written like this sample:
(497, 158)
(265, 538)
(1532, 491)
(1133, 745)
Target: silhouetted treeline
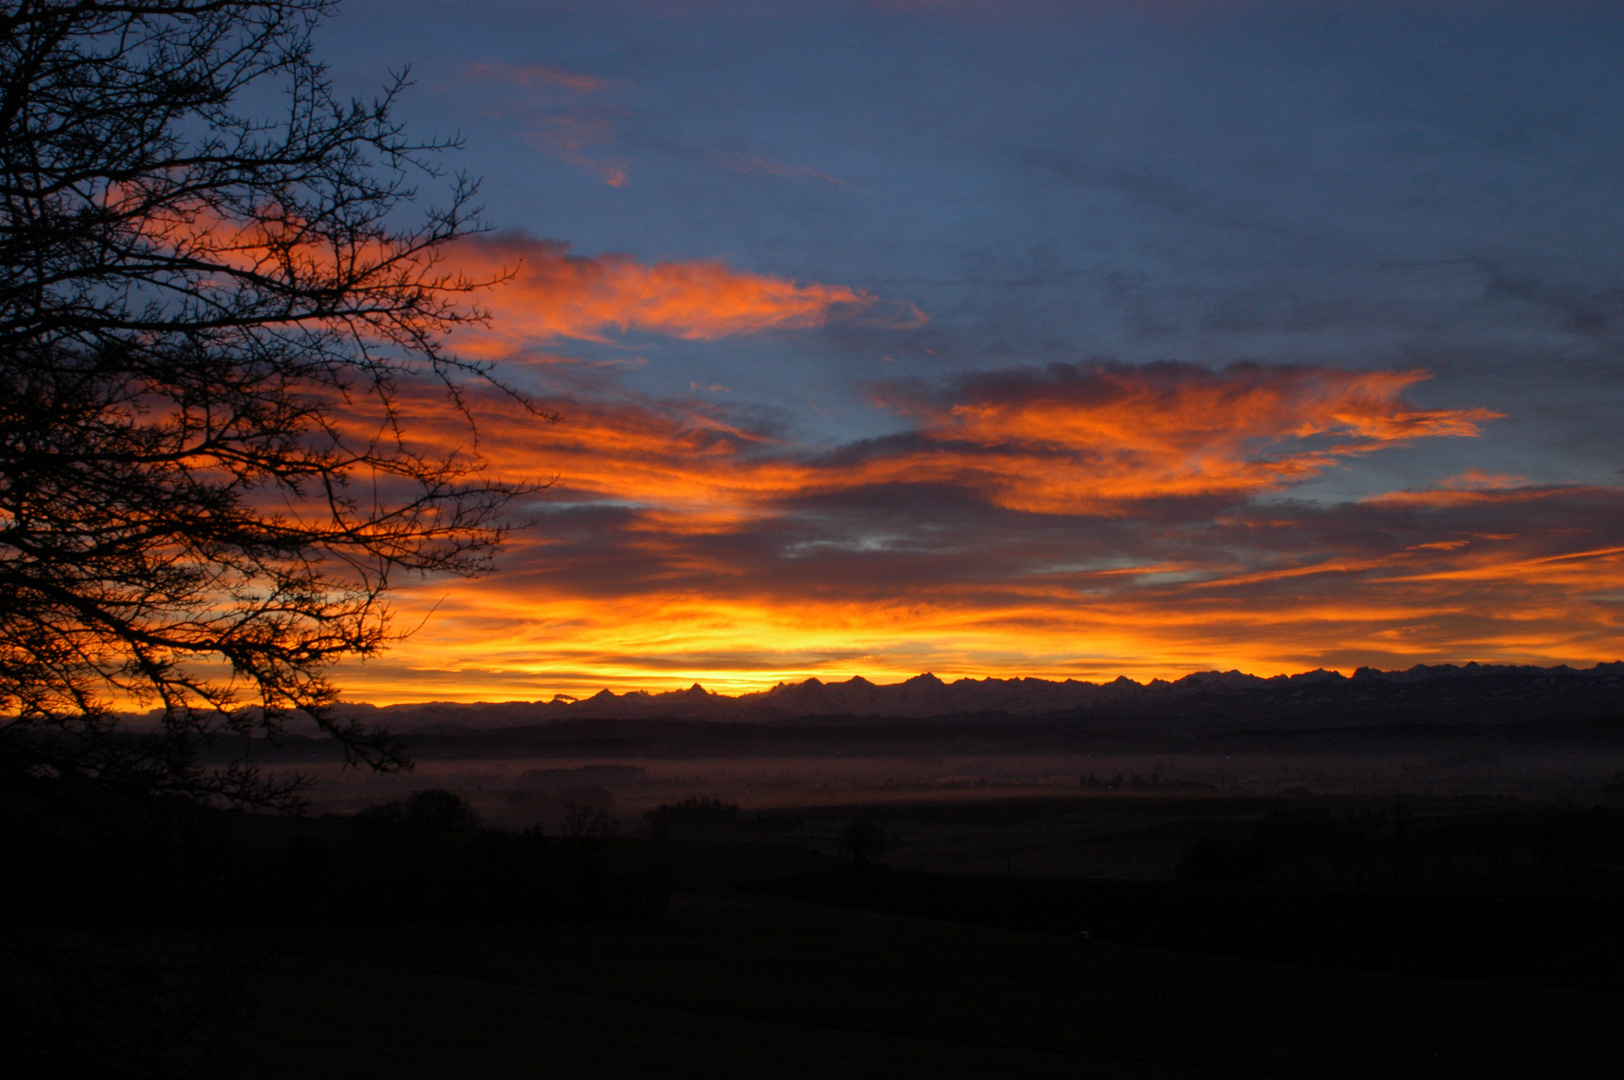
(696, 814)
(1392, 847)
(172, 864)
(1139, 782)
(447, 870)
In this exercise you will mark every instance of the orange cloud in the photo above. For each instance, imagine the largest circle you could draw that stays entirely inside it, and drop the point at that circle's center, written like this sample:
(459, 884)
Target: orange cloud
(1075, 439)
(1058, 523)
(1070, 440)
(534, 291)
(553, 294)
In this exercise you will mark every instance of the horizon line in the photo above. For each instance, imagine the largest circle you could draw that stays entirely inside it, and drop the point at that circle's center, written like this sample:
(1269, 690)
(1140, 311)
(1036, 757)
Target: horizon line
(1322, 672)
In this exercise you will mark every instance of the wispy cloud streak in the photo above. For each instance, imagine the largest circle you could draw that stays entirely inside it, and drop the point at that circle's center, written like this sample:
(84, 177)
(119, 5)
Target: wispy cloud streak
(747, 164)
(556, 111)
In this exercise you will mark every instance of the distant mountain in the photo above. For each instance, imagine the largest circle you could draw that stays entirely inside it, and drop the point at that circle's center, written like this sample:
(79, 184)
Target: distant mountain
(1489, 693)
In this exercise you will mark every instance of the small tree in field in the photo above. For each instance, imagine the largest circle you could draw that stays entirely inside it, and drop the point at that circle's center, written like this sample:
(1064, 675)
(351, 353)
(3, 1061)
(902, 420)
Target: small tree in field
(214, 329)
(864, 840)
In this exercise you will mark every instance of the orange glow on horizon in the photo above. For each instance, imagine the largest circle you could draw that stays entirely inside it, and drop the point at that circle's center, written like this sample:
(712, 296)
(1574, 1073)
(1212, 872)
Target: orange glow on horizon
(710, 554)
(488, 641)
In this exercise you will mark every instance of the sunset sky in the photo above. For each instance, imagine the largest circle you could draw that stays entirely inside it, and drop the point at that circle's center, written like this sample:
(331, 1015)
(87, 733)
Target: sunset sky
(1073, 339)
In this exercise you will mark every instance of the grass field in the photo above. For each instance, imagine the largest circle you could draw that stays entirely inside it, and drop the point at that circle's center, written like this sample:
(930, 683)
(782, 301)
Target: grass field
(735, 987)
(1460, 938)
(774, 960)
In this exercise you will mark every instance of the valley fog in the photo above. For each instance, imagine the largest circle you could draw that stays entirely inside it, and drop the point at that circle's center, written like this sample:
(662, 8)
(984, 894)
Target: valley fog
(515, 792)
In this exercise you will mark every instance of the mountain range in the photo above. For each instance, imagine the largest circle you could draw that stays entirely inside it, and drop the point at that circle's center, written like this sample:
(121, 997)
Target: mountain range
(1445, 693)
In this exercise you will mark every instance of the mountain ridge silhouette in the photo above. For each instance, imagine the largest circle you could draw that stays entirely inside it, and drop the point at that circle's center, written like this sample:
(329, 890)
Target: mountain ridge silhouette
(1489, 692)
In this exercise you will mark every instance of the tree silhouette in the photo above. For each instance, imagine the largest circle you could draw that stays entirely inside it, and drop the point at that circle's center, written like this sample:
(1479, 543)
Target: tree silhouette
(224, 394)
(864, 840)
(216, 329)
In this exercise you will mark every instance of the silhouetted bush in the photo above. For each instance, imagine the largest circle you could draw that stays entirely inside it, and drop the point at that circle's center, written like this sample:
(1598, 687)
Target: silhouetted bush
(864, 841)
(431, 810)
(696, 812)
(393, 868)
(582, 820)
(1153, 783)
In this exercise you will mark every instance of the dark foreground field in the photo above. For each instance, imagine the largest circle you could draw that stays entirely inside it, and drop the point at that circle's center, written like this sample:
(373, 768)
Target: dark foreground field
(770, 959)
(769, 991)
(1284, 936)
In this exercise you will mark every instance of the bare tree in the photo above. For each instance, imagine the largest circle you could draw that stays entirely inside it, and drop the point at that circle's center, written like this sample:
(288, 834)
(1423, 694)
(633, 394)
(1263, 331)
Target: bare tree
(215, 326)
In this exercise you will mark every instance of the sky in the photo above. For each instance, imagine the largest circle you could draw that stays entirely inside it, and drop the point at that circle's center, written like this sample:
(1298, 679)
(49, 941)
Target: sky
(1065, 340)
